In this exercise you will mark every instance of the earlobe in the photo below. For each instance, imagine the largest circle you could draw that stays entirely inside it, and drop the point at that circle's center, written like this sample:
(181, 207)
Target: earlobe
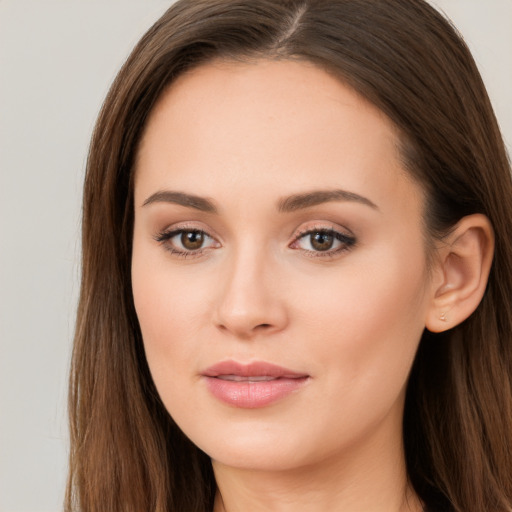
(463, 267)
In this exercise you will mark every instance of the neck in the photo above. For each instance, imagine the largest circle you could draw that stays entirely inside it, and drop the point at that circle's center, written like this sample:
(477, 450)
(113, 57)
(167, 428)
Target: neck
(370, 477)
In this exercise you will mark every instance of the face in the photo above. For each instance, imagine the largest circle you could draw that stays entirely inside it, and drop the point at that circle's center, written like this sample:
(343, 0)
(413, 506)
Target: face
(279, 264)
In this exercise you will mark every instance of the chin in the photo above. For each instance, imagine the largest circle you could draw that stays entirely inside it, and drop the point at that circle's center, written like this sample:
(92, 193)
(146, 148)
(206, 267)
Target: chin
(260, 455)
(253, 445)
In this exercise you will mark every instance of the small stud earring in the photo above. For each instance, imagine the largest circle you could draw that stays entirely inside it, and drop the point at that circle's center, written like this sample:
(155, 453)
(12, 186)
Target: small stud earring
(443, 317)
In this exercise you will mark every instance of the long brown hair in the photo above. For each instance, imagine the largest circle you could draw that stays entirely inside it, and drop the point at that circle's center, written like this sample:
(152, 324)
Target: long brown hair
(126, 452)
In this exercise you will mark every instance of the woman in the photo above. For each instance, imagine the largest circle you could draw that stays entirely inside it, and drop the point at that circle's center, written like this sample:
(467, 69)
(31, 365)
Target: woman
(296, 268)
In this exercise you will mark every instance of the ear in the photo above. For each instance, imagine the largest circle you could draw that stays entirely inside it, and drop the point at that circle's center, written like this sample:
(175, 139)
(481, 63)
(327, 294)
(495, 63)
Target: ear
(461, 272)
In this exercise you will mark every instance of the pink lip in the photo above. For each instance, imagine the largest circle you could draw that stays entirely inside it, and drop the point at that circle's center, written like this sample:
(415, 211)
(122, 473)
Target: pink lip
(251, 385)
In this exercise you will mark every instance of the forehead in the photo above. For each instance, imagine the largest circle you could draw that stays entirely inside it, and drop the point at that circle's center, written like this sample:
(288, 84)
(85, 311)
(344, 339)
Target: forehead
(264, 124)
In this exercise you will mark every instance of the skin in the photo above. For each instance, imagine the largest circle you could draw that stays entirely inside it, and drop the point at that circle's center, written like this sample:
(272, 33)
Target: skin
(245, 136)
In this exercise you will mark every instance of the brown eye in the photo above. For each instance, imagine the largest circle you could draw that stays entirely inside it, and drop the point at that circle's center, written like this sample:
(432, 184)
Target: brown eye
(186, 242)
(321, 241)
(192, 240)
(327, 241)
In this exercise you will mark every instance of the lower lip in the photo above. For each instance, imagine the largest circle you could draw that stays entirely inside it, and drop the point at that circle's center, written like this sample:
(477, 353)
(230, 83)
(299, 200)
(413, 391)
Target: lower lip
(251, 395)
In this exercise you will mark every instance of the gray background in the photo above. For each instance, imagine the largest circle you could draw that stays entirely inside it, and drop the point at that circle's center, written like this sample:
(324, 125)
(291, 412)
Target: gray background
(57, 59)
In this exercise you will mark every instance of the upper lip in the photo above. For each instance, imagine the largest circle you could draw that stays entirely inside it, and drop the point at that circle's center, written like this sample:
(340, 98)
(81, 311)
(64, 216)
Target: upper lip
(254, 369)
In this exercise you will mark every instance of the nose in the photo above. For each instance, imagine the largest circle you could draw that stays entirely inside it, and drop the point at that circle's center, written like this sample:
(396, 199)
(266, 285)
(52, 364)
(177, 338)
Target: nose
(251, 301)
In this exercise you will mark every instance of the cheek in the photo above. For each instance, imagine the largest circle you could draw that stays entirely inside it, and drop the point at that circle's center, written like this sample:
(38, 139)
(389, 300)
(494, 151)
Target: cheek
(169, 325)
(368, 318)
(166, 314)
(167, 307)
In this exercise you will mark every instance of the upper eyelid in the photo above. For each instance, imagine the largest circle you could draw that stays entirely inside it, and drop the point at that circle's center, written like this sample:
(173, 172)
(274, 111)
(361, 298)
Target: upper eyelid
(187, 226)
(171, 232)
(304, 229)
(330, 227)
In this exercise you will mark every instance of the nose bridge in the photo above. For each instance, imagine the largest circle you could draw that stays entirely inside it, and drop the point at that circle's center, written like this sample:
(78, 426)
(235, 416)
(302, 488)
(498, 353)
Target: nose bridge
(250, 301)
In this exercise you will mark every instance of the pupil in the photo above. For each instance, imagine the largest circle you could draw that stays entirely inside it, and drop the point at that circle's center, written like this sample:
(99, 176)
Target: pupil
(192, 239)
(322, 241)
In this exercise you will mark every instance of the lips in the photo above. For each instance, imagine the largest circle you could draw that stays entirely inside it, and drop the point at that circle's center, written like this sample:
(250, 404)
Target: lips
(254, 385)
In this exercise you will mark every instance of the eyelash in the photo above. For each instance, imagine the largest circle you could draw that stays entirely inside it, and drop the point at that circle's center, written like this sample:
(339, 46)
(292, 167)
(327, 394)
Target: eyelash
(347, 242)
(165, 236)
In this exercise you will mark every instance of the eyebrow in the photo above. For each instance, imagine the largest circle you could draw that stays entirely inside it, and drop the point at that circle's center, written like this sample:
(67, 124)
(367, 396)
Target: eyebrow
(309, 199)
(285, 205)
(182, 199)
